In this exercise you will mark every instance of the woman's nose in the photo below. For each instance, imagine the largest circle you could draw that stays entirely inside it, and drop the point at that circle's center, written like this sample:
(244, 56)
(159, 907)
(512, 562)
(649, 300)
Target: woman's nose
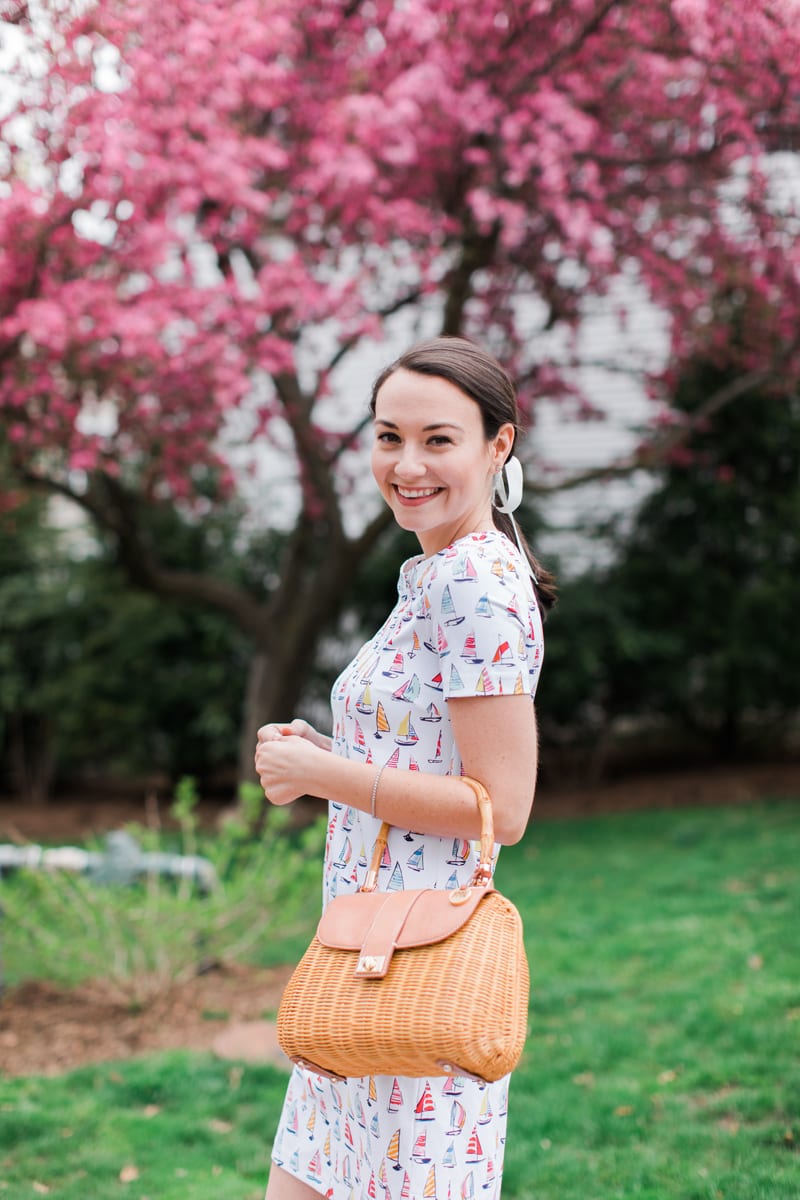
(409, 465)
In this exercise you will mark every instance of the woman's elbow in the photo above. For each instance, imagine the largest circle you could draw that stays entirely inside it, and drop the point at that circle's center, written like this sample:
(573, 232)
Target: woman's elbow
(510, 826)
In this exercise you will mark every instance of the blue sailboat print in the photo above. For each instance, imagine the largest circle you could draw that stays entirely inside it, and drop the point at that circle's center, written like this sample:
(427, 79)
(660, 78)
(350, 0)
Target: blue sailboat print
(449, 608)
(483, 608)
(416, 860)
(395, 883)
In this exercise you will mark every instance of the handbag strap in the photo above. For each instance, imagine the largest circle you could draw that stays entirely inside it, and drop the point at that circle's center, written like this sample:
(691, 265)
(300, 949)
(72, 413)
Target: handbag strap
(483, 871)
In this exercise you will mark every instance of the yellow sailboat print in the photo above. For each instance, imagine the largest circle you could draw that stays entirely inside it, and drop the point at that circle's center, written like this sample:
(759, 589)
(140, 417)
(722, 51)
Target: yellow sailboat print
(393, 1150)
(406, 733)
(381, 722)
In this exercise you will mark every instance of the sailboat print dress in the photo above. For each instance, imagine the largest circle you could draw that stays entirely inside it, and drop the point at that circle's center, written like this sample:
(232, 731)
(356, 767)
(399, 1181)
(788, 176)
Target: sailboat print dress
(466, 623)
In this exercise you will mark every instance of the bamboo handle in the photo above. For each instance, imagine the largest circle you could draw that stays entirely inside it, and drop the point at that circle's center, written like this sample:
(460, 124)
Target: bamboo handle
(483, 871)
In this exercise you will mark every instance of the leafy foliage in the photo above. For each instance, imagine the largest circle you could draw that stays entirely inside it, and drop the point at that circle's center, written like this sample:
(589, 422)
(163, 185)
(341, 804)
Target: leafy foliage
(694, 622)
(142, 939)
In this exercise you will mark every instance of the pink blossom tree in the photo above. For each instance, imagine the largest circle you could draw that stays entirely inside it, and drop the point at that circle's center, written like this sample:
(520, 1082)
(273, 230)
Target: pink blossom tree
(207, 209)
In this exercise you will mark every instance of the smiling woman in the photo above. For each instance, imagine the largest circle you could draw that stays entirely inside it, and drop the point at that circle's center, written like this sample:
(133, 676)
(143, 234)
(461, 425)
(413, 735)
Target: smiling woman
(444, 689)
(436, 476)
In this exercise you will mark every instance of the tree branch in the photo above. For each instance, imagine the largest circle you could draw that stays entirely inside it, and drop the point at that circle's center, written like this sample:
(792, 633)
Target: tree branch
(654, 453)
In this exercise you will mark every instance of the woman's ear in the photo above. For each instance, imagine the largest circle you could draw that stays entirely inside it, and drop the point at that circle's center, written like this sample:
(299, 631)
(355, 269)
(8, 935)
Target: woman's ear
(503, 444)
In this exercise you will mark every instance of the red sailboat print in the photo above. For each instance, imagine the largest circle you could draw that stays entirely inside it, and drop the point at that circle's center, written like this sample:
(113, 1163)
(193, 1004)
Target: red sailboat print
(359, 741)
(396, 1097)
(437, 683)
(470, 651)
(315, 1168)
(397, 666)
(420, 1152)
(437, 754)
(425, 1109)
(502, 655)
(474, 1149)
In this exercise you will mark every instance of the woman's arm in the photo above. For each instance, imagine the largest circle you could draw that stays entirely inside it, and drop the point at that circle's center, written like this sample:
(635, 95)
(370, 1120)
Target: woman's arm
(496, 737)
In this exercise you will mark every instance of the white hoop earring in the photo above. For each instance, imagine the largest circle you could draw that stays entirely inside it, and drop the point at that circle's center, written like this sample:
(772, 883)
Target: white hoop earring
(508, 486)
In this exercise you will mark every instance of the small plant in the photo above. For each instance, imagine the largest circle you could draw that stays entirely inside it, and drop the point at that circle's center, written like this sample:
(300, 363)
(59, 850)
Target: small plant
(143, 937)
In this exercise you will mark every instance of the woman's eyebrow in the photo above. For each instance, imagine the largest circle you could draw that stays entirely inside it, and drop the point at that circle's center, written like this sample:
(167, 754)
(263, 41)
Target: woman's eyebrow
(425, 428)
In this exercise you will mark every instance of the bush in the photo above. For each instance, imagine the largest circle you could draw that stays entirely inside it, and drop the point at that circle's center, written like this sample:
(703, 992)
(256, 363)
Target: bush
(142, 938)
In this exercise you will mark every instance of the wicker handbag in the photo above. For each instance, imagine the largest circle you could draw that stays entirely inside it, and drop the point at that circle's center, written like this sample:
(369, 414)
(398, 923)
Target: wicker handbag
(416, 983)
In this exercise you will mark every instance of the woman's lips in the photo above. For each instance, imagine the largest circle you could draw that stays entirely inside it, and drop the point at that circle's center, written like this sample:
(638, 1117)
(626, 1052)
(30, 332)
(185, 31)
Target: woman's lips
(413, 497)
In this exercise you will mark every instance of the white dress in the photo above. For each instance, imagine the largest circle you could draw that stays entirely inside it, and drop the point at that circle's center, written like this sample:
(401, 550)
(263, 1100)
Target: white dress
(466, 623)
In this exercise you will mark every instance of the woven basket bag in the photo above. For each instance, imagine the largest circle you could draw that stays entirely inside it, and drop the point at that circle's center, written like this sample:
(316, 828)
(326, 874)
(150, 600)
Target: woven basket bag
(418, 983)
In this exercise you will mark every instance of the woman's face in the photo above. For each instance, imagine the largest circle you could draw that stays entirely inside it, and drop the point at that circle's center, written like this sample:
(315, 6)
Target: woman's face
(431, 459)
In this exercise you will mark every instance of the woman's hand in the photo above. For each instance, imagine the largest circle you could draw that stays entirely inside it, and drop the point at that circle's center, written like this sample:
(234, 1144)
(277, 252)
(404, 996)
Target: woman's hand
(299, 727)
(284, 759)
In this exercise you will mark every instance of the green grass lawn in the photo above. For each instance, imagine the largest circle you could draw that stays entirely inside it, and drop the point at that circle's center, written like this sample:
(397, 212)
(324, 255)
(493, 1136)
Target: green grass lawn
(663, 1061)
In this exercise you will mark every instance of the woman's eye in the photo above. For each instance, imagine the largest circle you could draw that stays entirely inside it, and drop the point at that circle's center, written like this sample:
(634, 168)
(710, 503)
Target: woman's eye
(440, 439)
(388, 438)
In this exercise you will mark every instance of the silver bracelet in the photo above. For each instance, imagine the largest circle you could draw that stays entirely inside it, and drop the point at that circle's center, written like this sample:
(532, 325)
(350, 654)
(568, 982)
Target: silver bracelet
(375, 783)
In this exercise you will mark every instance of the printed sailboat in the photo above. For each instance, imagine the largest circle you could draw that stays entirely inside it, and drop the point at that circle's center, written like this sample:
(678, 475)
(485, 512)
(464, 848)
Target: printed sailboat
(456, 682)
(420, 1152)
(425, 1109)
(359, 741)
(397, 667)
(465, 569)
(364, 701)
(502, 655)
(437, 754)
(431, 713)
(449, 609)
(381, 722)
(409, 690)
(483, 608)
(406, 733)
(393, 1150)
(474, 1149)
(416, 860)
(396, 1098)
(460, 852)
(484, 686)
(429, 1191)
(458, 1115)
(470, 651)
(395, 883)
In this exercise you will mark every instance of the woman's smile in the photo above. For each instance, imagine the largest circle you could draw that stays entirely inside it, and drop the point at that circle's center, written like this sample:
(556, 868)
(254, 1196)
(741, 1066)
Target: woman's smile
(414, 496)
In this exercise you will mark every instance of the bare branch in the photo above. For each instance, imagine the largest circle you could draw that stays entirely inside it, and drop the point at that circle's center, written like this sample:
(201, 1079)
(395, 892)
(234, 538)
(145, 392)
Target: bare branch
(655, 452)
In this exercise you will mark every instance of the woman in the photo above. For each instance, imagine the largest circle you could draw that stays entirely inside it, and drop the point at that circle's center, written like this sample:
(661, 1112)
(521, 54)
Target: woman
(445, 688)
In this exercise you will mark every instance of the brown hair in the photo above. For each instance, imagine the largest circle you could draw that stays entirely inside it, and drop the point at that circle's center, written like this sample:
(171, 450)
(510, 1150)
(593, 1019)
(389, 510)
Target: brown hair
(480, 376)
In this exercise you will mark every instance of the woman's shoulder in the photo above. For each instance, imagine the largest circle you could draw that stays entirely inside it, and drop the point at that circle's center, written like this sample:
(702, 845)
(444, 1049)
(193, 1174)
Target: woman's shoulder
(484, 559)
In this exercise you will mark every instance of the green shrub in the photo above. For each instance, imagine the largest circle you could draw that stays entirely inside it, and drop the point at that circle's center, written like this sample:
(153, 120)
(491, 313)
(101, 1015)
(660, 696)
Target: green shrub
(142, 938)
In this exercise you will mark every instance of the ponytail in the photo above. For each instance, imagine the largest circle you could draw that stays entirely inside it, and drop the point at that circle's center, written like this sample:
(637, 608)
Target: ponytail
(543, 580)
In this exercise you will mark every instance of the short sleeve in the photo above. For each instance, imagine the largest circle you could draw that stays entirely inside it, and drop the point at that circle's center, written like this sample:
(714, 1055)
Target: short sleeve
(485, 622)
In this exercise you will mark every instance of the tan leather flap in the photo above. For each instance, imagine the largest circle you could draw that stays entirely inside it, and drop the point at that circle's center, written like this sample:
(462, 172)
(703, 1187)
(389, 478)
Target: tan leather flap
(377, 923)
